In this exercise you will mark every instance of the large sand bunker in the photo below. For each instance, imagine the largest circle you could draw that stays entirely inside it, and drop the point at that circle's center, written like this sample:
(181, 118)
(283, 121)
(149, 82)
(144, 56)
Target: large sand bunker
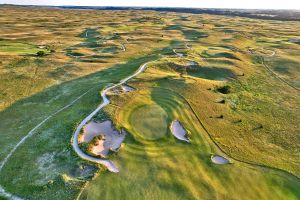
(178, 131)
(105, 135)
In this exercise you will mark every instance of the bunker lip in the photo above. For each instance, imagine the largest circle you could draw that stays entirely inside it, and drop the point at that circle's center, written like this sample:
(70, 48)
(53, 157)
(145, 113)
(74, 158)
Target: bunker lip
(178, 131)
(219, 160)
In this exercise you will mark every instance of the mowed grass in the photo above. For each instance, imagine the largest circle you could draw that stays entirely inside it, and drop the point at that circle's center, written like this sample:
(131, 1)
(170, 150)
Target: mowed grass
(167, 168)
(18, 48)
(143, 118)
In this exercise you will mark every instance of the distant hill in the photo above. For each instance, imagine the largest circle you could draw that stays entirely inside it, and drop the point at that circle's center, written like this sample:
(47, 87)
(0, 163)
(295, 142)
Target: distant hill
(285, 15)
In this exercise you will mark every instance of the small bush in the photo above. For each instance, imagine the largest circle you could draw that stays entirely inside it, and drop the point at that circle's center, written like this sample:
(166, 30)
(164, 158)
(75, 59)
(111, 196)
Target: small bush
(223, 89)
(40, 53)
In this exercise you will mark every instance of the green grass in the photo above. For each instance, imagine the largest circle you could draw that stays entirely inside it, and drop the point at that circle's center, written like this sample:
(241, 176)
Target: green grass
(143, 118)
(18, 48)
(211, 73)
(193, 34)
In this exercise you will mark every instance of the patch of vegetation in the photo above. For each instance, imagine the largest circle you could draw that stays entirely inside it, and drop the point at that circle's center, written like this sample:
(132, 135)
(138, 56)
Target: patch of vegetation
(225, 89)
(211, 73)
(101, 116)
(41, 53)
(193, 34)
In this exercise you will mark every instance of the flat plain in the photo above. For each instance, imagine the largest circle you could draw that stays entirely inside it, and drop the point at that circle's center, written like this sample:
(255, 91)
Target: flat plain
(232, 82)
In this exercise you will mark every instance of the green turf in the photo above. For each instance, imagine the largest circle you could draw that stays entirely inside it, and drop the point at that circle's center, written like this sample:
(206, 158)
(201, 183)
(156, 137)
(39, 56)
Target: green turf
(149, 121)
(18, 48)
(211, 73)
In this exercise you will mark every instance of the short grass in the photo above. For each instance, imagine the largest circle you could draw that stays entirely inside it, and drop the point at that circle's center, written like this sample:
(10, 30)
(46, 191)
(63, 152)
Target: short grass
(18, 48)
(143, 118)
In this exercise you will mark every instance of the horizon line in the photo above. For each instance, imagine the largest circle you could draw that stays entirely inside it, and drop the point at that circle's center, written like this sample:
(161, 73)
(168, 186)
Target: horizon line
(89, 6)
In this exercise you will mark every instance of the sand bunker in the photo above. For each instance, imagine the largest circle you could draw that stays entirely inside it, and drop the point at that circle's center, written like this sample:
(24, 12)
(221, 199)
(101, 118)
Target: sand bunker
(121, 89)
(178, 131)
(297, 41)
(99, 148)
(127, 88)
(192, 63)
(108, 137)
(219, 160)
(178, 53)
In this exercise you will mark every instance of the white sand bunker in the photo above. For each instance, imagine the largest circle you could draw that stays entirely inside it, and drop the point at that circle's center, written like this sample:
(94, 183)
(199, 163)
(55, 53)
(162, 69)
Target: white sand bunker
(192, 63)
(120, 89)
(178, 53)
(219, 160)
(105, 136)
(127, 88)
(178, 131)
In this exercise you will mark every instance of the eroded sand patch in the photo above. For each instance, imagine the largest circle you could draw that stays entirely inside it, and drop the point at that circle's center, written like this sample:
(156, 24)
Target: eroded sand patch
(178, 131)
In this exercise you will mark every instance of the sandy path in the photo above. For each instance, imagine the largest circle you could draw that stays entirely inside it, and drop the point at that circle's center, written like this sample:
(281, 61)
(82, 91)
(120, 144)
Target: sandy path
(123, 47)
(107, 163)
(8, 195)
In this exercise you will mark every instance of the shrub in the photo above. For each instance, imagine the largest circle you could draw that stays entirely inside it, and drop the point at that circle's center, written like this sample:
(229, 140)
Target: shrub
(40, 53)
(223, 89)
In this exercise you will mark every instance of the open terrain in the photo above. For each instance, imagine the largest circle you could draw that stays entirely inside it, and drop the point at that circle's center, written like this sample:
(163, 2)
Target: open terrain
(232, 83)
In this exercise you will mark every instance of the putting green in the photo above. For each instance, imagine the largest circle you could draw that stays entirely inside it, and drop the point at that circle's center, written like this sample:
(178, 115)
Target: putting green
(149, 121)
(16, 48)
